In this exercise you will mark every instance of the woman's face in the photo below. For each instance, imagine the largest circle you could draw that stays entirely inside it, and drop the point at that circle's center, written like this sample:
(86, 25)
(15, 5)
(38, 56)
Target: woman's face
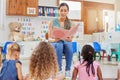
(63, 11)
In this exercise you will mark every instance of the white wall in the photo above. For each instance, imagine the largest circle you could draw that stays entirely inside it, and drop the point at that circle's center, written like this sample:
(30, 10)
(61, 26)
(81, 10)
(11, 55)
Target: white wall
(4, 31)
(102, 1)
(117, 12)
(5, 20)
(47, 2)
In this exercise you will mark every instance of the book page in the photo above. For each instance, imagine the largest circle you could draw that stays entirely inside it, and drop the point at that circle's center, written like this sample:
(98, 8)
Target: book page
(63, 33)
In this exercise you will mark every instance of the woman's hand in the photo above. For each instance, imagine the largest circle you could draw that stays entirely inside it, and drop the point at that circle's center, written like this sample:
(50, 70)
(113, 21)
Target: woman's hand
(69, 39)
(53, 39)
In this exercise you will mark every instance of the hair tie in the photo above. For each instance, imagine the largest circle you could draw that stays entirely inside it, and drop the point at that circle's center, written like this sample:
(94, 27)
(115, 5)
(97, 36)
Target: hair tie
(90, 52)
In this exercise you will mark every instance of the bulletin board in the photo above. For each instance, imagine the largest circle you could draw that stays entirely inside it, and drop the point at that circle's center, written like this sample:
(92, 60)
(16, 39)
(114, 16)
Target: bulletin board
(36, 27)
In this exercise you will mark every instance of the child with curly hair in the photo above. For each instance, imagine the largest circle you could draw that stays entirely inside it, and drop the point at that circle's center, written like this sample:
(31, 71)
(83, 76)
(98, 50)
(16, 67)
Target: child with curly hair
(87, 68)
(43, 63)
(11, 67)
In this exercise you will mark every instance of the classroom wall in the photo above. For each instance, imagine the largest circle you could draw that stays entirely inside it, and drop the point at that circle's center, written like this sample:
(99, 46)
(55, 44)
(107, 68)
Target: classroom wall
(107, 37)
(48, 2)
(4, 31)
(117, 12)
(37, 24)
(36, 21)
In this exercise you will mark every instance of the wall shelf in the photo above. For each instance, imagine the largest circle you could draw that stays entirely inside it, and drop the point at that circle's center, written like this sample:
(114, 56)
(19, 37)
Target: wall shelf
(48, 11)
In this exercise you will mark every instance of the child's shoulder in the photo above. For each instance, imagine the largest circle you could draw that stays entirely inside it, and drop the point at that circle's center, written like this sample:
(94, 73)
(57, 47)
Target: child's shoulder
(96, 63)
(18, 61)
(12, 61)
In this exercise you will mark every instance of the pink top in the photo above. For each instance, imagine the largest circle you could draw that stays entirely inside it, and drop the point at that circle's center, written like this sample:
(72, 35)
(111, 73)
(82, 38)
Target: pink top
(82, 74)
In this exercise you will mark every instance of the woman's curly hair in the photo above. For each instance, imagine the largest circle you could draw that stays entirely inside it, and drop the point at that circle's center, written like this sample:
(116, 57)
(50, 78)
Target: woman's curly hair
(43, 62)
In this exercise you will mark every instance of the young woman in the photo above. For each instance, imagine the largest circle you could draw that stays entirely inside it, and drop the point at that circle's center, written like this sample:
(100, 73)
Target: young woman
(62, 46)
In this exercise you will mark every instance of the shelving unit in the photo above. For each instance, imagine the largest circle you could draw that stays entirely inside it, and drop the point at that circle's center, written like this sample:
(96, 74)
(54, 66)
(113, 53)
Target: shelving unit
(22, 7)
(48, 11)
(46, 17)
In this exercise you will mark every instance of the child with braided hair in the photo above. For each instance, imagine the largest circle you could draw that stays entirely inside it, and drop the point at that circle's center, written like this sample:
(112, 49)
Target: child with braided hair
(87, 68)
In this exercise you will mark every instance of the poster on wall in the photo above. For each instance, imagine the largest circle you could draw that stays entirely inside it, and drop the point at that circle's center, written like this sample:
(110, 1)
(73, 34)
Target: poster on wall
(31, 26)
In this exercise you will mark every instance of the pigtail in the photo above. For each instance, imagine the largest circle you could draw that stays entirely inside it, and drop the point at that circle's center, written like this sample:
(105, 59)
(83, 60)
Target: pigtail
(87, 53)
(67, 23)
(90, 63)
(93, 70)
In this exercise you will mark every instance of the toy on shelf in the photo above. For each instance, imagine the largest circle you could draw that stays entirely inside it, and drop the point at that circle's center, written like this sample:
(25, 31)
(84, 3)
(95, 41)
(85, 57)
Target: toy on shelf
(16, 34)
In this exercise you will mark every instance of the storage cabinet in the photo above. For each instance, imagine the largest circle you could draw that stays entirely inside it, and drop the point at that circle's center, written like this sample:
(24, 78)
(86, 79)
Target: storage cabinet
(31, 8)
(93, 16)
(48, 11)
(91, 21)
(22, 7)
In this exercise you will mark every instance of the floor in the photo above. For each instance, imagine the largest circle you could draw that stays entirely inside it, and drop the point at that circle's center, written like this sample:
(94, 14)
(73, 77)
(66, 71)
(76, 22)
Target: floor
(109, 69)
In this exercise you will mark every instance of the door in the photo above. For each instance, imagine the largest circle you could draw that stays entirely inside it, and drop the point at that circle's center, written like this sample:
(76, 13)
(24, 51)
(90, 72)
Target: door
(91, 21)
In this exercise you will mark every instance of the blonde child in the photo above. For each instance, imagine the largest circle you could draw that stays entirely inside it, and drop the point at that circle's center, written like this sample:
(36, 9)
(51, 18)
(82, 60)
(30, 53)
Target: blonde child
(43, 63)
(87, 68)
(11, 67)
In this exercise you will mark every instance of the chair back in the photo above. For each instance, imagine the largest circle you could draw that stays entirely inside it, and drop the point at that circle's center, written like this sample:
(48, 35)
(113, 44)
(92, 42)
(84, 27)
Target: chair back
(115, 47)
(74, 47)
(96, 46)
(4, 51)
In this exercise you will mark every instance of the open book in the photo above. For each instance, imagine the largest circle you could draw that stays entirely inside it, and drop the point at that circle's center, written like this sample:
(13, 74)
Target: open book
(63, 33)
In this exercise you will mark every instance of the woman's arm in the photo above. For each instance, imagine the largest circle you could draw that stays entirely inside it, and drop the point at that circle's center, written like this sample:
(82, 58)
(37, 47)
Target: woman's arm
(74, 75)
(19, 71)
(50, 39)
(99, 73)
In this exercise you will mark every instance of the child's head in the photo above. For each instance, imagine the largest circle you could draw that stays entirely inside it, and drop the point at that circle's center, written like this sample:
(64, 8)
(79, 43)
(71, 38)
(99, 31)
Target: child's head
(87, 53)
(14, 51)
(43, 62)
